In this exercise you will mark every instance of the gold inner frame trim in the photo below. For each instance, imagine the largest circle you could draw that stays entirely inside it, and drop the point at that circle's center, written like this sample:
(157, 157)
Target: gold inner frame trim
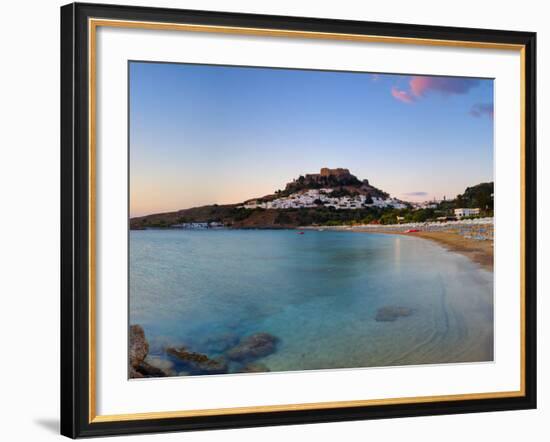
(93, 24)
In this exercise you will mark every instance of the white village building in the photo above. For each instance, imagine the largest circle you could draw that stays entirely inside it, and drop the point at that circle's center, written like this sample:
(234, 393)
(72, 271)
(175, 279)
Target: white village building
(312, 197)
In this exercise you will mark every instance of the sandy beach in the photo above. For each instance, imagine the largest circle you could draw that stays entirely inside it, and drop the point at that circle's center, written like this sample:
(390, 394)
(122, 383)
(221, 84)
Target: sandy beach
(480, 252)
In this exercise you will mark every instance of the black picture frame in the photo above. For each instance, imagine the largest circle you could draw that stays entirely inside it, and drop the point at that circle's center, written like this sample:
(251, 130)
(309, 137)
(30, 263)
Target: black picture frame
(75, 219)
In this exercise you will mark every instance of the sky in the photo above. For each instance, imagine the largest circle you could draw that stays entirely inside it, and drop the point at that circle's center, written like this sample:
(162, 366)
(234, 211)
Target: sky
(205, 134)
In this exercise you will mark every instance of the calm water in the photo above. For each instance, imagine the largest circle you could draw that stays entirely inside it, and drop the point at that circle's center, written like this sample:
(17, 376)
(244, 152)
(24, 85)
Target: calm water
(318, 293)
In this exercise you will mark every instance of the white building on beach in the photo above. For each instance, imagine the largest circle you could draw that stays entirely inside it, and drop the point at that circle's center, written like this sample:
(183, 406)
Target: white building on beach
(463, 212)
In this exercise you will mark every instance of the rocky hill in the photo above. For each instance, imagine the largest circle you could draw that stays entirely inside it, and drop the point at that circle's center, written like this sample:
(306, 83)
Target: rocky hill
(336, 179)
(310, 198)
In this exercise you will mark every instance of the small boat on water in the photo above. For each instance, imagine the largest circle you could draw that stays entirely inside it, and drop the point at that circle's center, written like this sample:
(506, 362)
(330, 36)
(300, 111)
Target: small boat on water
(301, 233)
(412, 231)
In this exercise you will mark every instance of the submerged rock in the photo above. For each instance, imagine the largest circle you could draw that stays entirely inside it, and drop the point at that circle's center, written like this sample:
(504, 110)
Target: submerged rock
(187, 356)
(214, 366)
(222, 342)
(253, 347)
(255, 367)
(199, 363)
(149, 371)
(390, 313)
(159, 344)
(157, 361)
(163, 364)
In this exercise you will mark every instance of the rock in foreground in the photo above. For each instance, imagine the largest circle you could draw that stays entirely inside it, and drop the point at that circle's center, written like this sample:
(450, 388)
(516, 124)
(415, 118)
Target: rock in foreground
(138, 345)
(199, 363)
(137, 351)
(253, 347)
(138, 367)
(390, 313)
(147, 370)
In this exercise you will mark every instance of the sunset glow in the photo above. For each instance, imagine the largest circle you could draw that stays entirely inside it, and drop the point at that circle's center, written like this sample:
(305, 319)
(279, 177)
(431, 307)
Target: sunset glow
(216, 134)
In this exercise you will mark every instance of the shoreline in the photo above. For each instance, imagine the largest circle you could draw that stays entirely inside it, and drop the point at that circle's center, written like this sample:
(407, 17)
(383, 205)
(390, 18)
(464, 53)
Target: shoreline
(463, 238)
(480, 252)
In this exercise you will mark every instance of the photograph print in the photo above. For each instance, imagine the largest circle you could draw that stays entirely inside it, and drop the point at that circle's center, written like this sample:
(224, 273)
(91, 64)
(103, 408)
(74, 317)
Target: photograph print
(289, 219)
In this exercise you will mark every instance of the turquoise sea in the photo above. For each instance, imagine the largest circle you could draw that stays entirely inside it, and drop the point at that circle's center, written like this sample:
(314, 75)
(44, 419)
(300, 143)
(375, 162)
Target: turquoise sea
(318, 293)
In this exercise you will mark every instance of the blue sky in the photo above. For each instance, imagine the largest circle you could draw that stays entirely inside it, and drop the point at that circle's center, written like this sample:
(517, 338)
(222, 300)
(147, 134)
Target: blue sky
(215, 134)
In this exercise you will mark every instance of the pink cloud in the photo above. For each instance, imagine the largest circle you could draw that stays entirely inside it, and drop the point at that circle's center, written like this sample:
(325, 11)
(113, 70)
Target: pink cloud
(445, 85)
(400, 95)
(420, 86)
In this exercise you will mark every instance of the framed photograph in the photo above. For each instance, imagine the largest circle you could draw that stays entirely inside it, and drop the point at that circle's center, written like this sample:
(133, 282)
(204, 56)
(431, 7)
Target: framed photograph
(274, 220)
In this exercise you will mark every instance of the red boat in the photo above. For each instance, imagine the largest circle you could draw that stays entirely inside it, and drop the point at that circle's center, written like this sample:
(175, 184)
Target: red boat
(412, 231)
(301, 233)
